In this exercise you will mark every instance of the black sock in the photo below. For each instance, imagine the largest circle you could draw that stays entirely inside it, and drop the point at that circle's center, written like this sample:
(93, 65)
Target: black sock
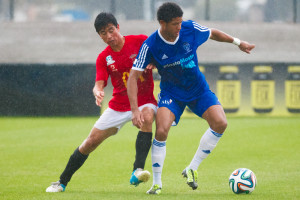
(75, 162)
(142, 147)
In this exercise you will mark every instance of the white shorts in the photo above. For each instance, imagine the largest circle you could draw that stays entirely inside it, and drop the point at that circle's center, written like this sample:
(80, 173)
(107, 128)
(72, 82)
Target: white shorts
(111, 118)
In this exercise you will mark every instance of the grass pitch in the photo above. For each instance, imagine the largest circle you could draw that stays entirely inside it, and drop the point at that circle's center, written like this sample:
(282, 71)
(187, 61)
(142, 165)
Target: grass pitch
(34, 151)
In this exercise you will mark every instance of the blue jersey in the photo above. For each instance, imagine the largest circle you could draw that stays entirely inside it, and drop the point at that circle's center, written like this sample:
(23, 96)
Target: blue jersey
(177, 61)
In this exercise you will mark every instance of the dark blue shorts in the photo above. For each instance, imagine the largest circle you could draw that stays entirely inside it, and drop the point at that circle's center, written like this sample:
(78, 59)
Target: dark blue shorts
(198, 106)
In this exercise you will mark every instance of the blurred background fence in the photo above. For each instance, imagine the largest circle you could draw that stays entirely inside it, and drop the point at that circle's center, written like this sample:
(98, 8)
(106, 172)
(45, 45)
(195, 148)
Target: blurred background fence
(215, 10)
(48, 50)
(244, 89)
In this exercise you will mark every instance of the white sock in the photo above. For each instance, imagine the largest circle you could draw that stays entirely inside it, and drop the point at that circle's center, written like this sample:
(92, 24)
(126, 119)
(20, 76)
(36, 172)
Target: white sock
(207, 143)
(158, 154)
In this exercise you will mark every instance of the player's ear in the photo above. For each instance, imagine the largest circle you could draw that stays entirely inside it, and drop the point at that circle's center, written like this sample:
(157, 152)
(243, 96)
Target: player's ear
(118, 27)
(161, 22)
(100, 35)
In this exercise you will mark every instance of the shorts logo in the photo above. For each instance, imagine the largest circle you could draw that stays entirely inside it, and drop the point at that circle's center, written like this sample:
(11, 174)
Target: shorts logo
(168, 102)
(109, 60)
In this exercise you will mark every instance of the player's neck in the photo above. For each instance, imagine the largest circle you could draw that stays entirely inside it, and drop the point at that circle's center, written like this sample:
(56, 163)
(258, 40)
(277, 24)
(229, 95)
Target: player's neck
(167, 36)
(118, 47)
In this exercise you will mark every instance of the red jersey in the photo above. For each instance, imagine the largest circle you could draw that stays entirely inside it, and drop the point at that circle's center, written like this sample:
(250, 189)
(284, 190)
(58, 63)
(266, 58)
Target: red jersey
(117, 65)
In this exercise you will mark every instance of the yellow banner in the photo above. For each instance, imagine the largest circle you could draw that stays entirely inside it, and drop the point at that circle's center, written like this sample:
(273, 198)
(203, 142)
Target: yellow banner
(292, 94)
(262, 94)
(229, 93)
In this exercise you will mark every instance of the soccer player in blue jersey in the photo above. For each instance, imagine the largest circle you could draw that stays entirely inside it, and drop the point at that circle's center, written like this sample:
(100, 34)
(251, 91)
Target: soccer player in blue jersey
(172, 48)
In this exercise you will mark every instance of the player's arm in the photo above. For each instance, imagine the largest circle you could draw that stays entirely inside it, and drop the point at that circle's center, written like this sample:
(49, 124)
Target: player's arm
(98, 92)
(224, 37)
(139, 65)
(132, 90)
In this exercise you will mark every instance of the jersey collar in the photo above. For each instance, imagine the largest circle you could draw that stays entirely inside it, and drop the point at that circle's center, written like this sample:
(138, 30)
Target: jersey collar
(166, 41)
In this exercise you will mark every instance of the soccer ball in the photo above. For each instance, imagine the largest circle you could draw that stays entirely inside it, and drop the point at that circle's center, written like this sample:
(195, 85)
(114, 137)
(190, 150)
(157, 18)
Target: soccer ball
(242, 180)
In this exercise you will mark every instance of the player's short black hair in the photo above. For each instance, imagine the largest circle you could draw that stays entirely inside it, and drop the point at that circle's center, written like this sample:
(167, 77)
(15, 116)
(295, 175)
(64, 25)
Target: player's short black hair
(103, 19)
(168, 11)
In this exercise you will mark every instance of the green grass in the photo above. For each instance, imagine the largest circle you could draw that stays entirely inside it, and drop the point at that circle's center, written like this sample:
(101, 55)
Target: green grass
(34, 151)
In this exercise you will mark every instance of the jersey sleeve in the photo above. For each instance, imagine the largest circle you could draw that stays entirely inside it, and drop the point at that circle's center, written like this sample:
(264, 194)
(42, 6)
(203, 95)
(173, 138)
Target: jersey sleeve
(202, 33)
(143, 58)
(101, 70)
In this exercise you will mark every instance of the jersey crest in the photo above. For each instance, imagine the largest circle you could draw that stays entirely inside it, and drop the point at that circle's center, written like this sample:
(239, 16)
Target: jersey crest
(109, 60)
(187, 47)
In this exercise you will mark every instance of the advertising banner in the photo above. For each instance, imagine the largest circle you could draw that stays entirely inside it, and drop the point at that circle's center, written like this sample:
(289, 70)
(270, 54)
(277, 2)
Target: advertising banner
(253, 89)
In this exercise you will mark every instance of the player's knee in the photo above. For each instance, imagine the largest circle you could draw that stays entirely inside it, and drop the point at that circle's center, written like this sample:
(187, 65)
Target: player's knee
(148, 119)
(223, 125)
(148, 115)
(219, 126)
(161, 134)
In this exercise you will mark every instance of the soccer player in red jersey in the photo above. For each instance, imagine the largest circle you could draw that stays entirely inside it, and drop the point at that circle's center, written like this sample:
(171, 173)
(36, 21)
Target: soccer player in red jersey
(116, 61)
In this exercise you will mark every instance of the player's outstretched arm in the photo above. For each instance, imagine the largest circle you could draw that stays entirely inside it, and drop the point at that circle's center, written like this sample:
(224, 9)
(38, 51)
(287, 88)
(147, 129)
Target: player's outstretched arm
(132, 90)
(98, 92)
(224, 37)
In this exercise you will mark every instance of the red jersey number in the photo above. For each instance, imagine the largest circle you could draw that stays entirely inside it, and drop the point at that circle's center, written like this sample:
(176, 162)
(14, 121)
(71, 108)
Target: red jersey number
(126, 76)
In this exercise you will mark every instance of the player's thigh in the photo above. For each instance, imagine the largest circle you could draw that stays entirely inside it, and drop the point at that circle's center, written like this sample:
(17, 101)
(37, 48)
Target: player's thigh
(200, 105)
(112, 119)
(216, 118)
(173, 105)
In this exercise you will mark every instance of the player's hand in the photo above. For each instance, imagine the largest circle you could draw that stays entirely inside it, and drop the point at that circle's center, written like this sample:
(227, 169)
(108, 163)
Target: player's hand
(246, 47)
(137, 118)
(151, 66)
(99, 95)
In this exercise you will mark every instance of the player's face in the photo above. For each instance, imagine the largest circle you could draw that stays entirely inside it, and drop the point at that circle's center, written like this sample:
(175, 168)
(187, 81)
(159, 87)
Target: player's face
(110, 35)
(172, 28)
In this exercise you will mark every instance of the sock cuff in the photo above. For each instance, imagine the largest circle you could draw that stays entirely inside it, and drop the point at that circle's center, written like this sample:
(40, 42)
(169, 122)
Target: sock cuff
(77, 152)
(215, 133)
(159, 143)
(145, 134)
